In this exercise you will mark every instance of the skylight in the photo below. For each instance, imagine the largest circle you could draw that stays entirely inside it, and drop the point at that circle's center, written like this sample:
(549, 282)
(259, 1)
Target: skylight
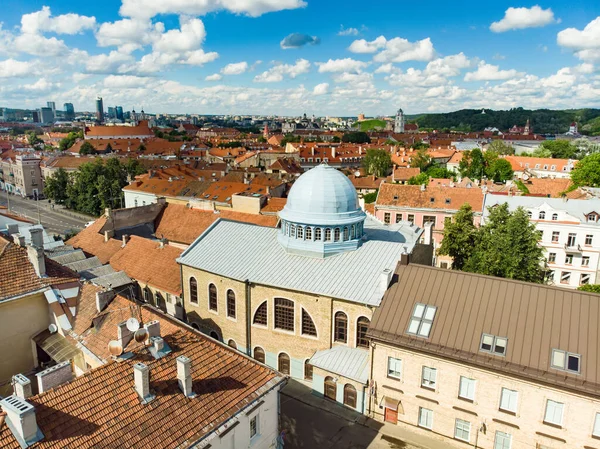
(422, 320)
(493, 344)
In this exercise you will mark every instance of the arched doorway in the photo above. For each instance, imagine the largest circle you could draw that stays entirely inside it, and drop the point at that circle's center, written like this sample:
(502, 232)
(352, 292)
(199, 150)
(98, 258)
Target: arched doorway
(350, 395)
(330, 388)
(284, 363)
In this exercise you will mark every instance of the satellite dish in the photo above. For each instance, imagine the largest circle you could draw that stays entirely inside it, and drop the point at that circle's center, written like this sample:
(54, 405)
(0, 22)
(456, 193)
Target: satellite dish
(141, 335)
(115, 348)
(133, 324)
(52, 328)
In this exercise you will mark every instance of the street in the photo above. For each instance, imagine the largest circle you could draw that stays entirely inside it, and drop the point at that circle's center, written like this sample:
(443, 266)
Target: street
(55, 221)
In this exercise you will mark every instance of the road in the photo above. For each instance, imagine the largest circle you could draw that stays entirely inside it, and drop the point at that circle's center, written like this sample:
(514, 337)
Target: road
(55, 221)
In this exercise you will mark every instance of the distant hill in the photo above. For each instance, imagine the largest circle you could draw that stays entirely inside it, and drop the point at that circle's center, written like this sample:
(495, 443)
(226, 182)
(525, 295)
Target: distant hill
(543, 121)
(371, 125)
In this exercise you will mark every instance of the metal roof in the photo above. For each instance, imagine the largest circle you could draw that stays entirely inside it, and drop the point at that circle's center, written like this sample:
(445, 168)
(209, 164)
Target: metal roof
(72, 256)
(352, 363)
(112, 280)
(534, 318)
(86, 264)
(243, 252)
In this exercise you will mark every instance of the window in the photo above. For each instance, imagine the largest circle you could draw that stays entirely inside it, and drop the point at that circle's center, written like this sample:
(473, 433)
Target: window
(260, 316)
(565, 277)
(466, 389)
(565, 361)
(352, 231)
(317, 233)
(551, 257)
(529, 214)
(554, 217)
(585, 261)
(283, 363)
(493, 344)
(253, 426)
(212, 297)
(308, 325)
(386, 218)
(230, 303)
(350, 396)
(555, 236)
(330, 388)
(425, 418)
(591, 217)
(193, 291)
(362, 326)
(293, 231)
(429, 219)
(394, 367)
(462, 430)
(232, 344)
(596, 431)
(569, 259)
(308, 233)
(422, 320)
(571, 239)
(336, 234)
(588, 239)
(327, 235)
(398, 218)
(502, 440)
(308, 370)
(411, 218)
(284, 314)
(340, 327)
(508, 400)
(554, 412)
(542, 215)
(259, 354)
(584, 279)
(428, 377)
(300, 233)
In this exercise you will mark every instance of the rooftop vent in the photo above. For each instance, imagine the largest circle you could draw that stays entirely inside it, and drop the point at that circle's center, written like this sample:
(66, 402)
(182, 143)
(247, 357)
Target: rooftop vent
(184, 376)
(158, 347)
(20, 418)
(21, 386)
(54, 376)
(141, 378)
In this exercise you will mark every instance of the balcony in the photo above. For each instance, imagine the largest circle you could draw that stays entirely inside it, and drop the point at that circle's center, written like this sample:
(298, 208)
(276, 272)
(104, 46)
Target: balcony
(573, 248)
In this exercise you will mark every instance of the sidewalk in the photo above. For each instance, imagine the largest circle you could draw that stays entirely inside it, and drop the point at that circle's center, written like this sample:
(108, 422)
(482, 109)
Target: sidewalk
(396, 435)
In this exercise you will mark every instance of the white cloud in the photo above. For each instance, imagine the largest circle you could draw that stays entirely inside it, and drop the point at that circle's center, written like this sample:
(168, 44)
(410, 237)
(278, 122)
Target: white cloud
(253, 8)
(278, 71)
(489, 72)
(520, 18)
(189, 37)
(449, 65)
(341, 65)
(41, 85)
(364, 46)
(128, 31)
(35, 44)
(213, 77)
(385, 68)
(112, 62)
(125, 81)
(348, 31)
(401, 50)
(236, 68)
(585, 42)
(499, 57)
(42, 20)
(321, 89)
(12, 68)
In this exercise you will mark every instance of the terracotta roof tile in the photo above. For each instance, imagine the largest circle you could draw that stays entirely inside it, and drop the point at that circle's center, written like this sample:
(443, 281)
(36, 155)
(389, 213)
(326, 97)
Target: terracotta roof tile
(404, 174)
(91, 241)
(141, 129)
(430, 198)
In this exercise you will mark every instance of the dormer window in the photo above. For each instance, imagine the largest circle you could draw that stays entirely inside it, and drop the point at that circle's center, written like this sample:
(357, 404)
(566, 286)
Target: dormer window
(592, 217)
(566, 361)
(447, 200)
(554, 217)
(432, 200)
(493, 344)
(422, 320)
(542, 215)
(553, 167)
(545, 167)
(537, 165)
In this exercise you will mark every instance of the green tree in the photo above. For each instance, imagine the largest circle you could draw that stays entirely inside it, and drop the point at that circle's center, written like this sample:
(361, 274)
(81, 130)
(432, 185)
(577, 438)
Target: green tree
(356, 137)
(370, 197)
(459, 237)
(418, 180)
(32, 138)
(507, 246)
(420, 145)
(87, 148)
(377, 162)
(501, 148)
(499, 170)
(587, 171)
(472, 164)
(593, 288)
(440, 172)
(560, 149)
(421, 160)
(56, 185)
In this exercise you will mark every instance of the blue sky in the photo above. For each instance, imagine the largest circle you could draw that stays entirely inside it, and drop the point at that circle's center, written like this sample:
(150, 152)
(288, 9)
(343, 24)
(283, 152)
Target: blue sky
(287, 57)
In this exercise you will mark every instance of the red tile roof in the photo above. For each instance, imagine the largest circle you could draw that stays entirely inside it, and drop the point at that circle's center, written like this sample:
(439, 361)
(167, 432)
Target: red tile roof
(91, 241)
(141, 129)
(400, 195)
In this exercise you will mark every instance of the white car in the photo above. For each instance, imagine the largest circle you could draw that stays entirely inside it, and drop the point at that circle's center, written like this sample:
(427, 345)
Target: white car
(89, 223)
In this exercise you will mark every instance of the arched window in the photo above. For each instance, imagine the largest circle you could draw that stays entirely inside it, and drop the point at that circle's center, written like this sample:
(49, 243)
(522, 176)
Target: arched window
(213, 334)
(259, 354)
(308, 233)
(308, 325)
(287, 229)
(231, 343)
(160, 301)
(542, 215)
(336, 234)
(284, 314)
(346, 233)
(352, 232)
(283, 363)
(212, 297)
(554, 217)
(148, 297)
(317, 233)
(330, 388)
(529, 214)
(195, 326)
(350, 395)
(293, 231)
(300, 232)
(193, 291)
(260, 316)
(230, 303)
(362, 325)
(340, 327)
(327, 235)
(308, 370)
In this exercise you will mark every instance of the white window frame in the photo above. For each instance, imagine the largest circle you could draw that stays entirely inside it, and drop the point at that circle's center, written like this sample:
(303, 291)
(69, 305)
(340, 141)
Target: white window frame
(564, 366)
(421, 320)
(462, 426)
(585, 278)
(554, 412)
(256, 420)
(425, 418)
(596, 428)
(557, 235)
(506, 442)
(551, 257)
(585, 261)
(397, 364)
(466, 388)
(507, 397)
(497, 342)
(565, 277)
(429, 377)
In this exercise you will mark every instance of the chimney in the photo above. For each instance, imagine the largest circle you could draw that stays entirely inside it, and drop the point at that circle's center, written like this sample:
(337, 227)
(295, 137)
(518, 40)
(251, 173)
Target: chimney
(37, 259)
(423, 187)
(12, 228)
(384, 278)
(125, 239)
(153, 328)
(404, 258)
(37, 237)
(19, 239)
(158, 344)
(428, 234)
(20, 419)
(184, 375)
(108, 235)
(124, 335)
(332, 152)
(21, 386)
(141, 378)
(54, 376)
(108, 213)
(359, 150)
(103, 299)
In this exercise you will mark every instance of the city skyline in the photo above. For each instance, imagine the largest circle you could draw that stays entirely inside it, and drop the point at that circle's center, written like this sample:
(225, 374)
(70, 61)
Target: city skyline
(275, 58)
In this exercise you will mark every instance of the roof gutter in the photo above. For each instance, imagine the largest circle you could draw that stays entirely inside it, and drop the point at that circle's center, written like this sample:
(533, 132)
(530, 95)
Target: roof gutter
(23, 295)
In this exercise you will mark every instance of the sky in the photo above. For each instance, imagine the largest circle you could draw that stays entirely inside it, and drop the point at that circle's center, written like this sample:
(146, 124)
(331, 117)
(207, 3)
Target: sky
(288, 57)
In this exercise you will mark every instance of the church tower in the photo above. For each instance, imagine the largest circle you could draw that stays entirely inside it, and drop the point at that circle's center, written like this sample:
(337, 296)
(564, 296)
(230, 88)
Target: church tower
(399, 122)
(527, 129)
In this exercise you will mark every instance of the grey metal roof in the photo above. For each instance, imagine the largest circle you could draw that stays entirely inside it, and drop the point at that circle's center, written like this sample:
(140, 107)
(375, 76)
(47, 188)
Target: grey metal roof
(69, 257)
(112, 280)
(85, 264)
(97, 272)
(243, 251)
(352, 363)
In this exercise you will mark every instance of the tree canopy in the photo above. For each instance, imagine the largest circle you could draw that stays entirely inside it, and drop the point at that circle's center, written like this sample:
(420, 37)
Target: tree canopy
(356, 137)
(459, 237)
(501, 148)
(56, 185)
(594, 288)
(418, 180)
(87, 148)
(68, 141)
(475, 164)
(587, 171)
(560, 149)
(421, 160)
(377, 162)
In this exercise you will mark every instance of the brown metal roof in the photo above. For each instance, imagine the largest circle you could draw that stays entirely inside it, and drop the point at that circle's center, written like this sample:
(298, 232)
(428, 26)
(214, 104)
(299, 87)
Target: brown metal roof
(535, 319)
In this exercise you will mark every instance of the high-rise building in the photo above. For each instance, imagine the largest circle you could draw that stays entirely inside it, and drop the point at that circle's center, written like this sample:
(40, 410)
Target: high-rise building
(47, 115)
(52, 105)
(69, 111)
(35, 116)
(119, 112)
(99, 110)
(112, 112)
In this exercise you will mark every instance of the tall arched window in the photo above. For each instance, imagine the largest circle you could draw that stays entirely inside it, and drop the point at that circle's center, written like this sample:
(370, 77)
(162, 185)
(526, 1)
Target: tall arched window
(362, 325)
(212, 297)
(259, 354)
(317, 233)
(300, 232)
(351, 232)
(293, 231)
(330, 388)
(308, 233)
(542, 215)
(148, 296)
(336, 234)
(308, 325)
(350, 395)
(308, 370)
(230, 303)
(193, 291)
(346, 233)
(260, 316)
(340, 327)
(283, 363)
(284, 314)
(327, 235)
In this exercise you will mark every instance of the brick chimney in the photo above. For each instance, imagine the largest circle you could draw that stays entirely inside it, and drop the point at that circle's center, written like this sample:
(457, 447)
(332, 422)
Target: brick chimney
(21, 386)
(184, 375)
(54, 376)
(20, 419)
(103, 299)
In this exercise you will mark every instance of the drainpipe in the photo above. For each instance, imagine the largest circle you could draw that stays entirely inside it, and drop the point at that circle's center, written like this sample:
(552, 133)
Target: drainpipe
(248, 317)
(184, 317)
(370, 380)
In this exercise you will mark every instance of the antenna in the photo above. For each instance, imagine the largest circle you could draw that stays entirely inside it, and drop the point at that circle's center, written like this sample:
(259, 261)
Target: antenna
(52, 328)
(133, 324)
(141, 335)
(115, 348)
